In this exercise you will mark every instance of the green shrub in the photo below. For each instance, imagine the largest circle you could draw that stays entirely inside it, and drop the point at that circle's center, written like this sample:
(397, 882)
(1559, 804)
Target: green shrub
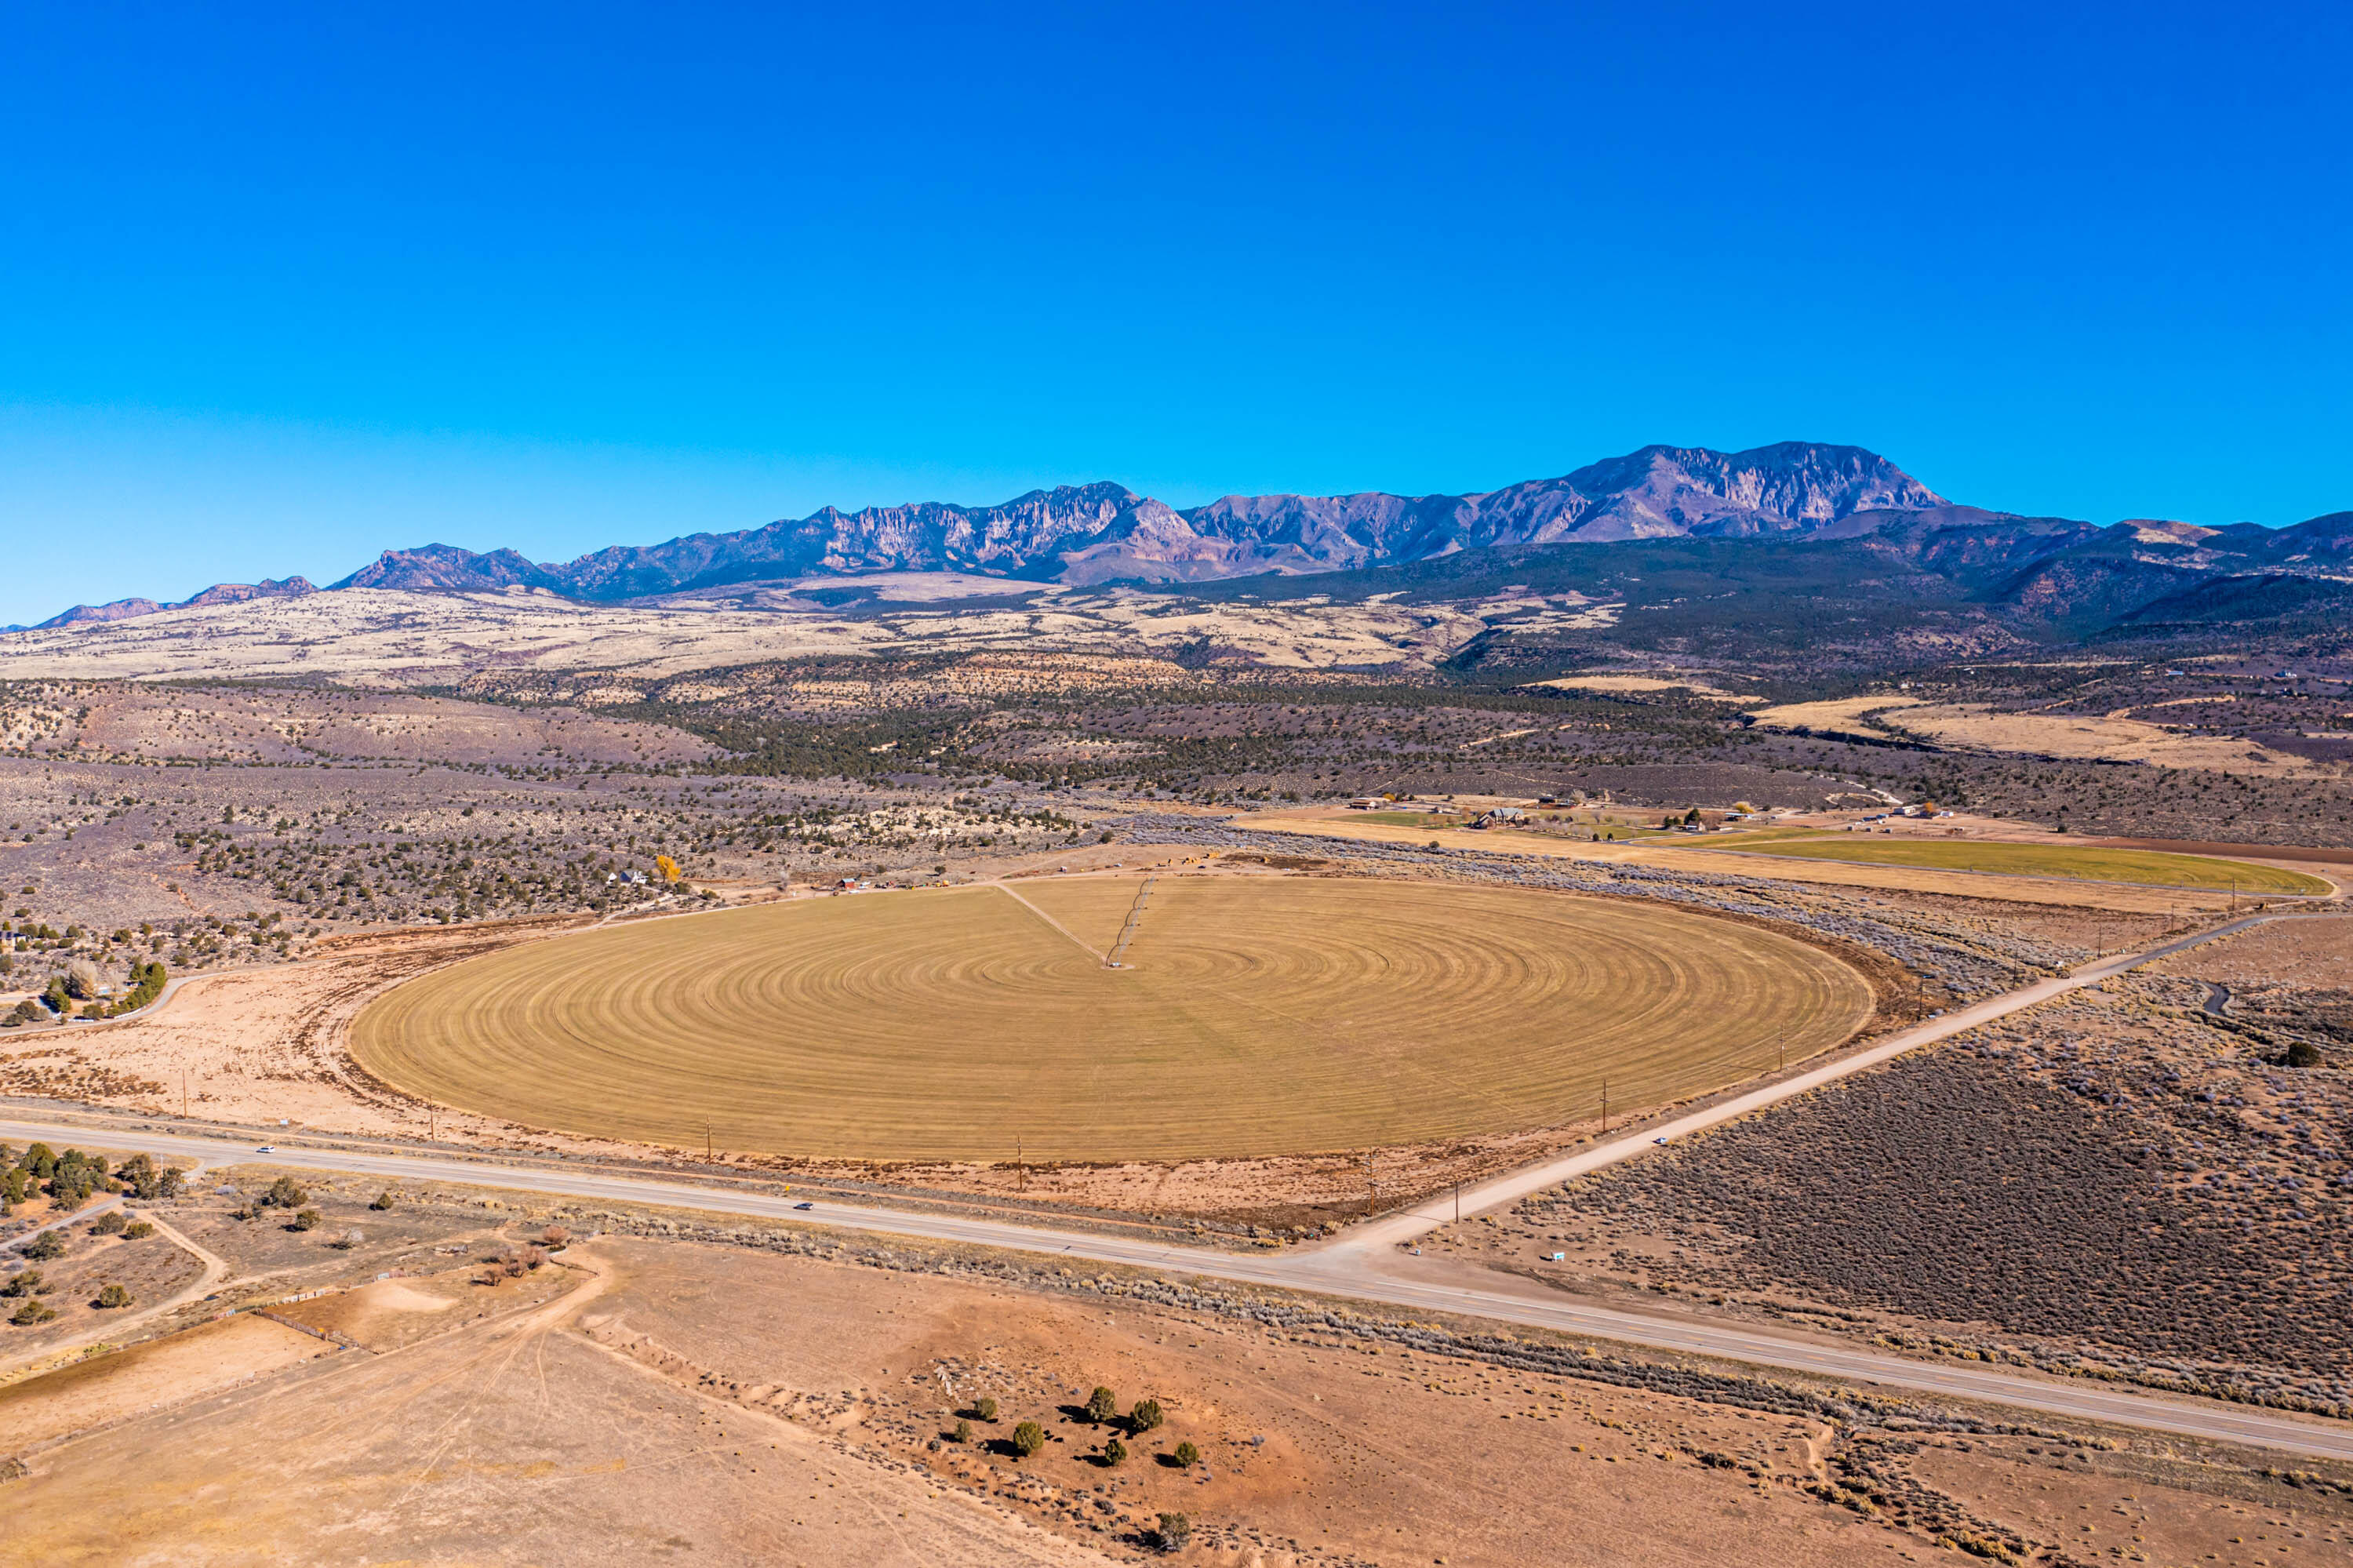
(1143, 1417)
(963, 1433)
(2302, 1054)
(147, 1180)
(45, 1246)
(1102, 1405)
(305, 1219)
(111, 1224)
(138, 1230)
(23, 1284)
(1171, 1533)
(384, 1200)
(1028, 1438)
(148, 984)
(30, 1313)
(1186, 1455)
(985, 1408)
(285, 1193)
(1115, 1453)
(113, 1296)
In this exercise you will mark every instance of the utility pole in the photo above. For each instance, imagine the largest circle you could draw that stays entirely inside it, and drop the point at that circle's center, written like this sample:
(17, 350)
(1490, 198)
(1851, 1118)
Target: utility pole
(1605, 1107)
(1020, 1171)
(1372, 1188)
(706, 1141)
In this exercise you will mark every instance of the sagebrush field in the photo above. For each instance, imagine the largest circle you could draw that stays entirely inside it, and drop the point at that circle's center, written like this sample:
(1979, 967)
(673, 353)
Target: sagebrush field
(1255, 1015)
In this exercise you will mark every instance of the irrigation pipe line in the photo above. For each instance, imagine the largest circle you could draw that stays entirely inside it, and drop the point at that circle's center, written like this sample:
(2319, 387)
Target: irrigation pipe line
(1367, 1263)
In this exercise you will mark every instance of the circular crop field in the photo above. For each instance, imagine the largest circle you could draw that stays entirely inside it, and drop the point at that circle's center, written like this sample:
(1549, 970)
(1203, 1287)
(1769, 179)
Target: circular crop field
(1251, 1016)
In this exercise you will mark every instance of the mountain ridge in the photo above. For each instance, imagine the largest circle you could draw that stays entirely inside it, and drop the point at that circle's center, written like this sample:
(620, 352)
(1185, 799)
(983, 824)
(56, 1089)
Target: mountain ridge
(2058, 572)
(219, 593)
(1104, 532)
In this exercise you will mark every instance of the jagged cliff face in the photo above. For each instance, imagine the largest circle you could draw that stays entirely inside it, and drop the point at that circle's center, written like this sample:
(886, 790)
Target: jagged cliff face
(1673, 492)
(448, 569)
(1003, 540)
(1097, 533)
(2044, 572)
(1657, 492)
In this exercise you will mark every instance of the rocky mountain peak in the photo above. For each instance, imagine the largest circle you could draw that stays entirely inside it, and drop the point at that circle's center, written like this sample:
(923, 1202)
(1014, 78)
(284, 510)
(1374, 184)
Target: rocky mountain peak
(1105, 532)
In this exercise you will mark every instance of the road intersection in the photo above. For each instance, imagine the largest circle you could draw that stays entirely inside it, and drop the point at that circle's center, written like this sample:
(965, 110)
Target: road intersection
(1372, 1263)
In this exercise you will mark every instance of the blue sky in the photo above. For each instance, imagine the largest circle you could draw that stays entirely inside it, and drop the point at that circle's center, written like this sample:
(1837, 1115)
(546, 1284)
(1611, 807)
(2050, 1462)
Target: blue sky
(284, 286)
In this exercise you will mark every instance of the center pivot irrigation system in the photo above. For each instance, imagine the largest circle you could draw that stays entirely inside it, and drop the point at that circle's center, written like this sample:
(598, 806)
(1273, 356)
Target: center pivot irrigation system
(1127, 932)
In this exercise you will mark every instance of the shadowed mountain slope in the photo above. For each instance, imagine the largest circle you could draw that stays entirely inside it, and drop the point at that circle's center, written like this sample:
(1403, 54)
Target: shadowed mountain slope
(1104, 532)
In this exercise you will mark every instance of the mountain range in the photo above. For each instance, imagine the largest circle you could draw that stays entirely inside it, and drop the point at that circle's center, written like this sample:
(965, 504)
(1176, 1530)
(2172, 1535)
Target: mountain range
(219, 593)
(1106, 533)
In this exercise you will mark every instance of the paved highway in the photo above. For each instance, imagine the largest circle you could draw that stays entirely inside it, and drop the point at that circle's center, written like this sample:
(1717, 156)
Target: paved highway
(1367, 1264)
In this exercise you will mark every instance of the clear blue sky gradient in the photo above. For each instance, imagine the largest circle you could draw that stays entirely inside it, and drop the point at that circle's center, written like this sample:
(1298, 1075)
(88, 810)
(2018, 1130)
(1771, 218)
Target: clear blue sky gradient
(283, 286)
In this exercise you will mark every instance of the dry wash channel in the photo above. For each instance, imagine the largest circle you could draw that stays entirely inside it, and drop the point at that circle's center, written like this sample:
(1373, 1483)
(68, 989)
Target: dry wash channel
(1251, 1016)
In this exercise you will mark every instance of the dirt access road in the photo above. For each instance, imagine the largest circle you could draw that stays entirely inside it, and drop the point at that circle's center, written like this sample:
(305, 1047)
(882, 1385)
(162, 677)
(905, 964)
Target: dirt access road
(1368, 1266)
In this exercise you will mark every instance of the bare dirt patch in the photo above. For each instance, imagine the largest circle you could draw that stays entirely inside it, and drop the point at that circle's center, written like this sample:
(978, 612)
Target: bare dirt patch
(2108, 737)
(2316, 953)
(1699, 686)
(792, 1394)
(258, 1046)
(186, 1366)
(1836, 714)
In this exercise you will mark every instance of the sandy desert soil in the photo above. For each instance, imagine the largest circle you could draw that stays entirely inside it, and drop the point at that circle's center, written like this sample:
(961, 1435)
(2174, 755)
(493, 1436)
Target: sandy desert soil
(1836, 713)
(172, 1371)
(257, 1047)
(2317, 953)
(1696, 684)
(671, 1397)
(2111, 737)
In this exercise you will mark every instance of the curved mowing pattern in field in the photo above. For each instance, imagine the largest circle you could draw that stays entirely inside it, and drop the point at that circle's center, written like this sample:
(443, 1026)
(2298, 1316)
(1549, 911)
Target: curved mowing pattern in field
(1257, 1016)
(2150, 868)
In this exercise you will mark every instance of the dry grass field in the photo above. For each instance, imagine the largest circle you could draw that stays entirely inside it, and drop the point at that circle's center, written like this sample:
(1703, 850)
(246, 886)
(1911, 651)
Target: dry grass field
(2144, 867)
(2107, 737)
(1256, 1015)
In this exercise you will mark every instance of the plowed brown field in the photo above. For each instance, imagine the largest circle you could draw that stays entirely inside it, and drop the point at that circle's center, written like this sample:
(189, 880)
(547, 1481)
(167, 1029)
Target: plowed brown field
(1255, 1015)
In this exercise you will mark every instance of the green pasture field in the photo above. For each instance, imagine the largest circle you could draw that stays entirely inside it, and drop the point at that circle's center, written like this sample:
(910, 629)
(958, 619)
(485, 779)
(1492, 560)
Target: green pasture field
(2074, 863)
